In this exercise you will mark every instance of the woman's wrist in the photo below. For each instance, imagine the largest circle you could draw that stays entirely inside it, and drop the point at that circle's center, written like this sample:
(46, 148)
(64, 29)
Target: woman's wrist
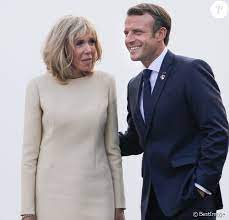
(120, 209)
(24, 216)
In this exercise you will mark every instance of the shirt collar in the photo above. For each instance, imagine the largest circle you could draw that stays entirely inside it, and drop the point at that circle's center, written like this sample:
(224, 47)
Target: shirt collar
(156, 64)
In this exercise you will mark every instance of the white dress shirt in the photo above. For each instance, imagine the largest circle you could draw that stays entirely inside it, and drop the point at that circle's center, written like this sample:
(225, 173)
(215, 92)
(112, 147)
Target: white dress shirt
(155, 67)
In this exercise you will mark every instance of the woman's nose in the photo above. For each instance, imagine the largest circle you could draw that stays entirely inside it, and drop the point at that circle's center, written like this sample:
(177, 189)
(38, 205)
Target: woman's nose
(87, 47)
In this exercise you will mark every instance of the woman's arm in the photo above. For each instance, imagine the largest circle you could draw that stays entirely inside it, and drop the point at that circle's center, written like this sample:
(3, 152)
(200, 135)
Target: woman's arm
(31, 146)
(112, 147)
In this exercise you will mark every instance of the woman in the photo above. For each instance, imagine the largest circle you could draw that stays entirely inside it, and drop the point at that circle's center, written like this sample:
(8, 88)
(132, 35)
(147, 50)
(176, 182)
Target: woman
(71, 165)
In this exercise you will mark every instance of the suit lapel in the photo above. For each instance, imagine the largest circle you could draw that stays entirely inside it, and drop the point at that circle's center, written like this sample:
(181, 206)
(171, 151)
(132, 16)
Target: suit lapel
(159, 85)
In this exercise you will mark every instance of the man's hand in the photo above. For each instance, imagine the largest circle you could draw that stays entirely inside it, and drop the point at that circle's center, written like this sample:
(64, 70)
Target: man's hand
(119, 214)
(202, 194)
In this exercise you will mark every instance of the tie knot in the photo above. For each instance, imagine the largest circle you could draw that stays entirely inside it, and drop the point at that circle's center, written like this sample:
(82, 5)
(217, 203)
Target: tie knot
(146, 74)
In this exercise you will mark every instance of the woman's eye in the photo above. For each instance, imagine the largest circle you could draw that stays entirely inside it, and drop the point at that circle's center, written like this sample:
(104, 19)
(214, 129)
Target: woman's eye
(92, 41)
(79, 43)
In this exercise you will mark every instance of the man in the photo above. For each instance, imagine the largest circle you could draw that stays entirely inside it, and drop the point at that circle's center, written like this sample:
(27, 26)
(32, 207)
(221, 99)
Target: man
(176, 117)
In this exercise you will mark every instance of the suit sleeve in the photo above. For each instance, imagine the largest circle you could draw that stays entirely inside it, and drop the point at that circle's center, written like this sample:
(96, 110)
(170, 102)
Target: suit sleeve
(112, 147)
(129, 141)
(210, 117)
(31, 145)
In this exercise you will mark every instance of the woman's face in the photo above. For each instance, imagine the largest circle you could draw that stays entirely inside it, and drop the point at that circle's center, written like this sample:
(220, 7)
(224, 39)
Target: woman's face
(84, 54)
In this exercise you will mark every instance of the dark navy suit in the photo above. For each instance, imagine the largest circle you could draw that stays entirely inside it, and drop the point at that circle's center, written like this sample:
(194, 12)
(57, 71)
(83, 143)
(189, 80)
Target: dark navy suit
(186, 140)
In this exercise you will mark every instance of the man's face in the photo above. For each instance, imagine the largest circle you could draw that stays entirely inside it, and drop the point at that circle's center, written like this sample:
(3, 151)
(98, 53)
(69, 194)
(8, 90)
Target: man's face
(140, 40)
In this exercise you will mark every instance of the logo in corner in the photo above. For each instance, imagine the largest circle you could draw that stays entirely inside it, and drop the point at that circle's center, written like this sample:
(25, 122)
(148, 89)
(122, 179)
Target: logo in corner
(219, 9)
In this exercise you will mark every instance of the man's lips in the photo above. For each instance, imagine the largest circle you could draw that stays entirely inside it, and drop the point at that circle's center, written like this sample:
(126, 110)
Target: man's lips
(134, 48)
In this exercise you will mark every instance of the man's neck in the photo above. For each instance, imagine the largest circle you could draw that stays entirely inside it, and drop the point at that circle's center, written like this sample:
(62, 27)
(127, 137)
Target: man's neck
(156, 54)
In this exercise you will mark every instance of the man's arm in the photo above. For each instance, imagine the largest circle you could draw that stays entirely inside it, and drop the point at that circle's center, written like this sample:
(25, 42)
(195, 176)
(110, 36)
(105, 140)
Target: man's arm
(206, 106)
(129, 141)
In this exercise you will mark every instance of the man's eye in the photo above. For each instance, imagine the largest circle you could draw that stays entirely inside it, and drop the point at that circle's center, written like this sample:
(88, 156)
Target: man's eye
(138, 32)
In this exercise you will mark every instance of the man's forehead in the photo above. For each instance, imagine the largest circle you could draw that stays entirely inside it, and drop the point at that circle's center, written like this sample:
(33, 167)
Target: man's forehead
(139, 21)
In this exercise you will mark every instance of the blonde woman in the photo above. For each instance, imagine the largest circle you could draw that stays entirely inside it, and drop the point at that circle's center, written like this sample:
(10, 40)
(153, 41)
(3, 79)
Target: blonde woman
(71, 164)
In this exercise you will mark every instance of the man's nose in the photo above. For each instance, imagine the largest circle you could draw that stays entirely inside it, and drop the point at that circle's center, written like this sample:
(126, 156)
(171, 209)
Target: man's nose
(129, 38)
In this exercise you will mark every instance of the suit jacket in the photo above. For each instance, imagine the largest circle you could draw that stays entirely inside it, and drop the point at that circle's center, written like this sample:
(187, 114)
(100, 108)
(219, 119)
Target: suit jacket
(186, 140)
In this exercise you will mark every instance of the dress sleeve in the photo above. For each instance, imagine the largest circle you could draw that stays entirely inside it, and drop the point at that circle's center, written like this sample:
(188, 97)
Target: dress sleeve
(112, 147)
(31, 146)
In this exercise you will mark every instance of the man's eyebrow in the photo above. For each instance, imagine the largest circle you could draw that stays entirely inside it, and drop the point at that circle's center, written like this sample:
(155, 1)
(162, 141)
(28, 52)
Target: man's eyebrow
(137, 30)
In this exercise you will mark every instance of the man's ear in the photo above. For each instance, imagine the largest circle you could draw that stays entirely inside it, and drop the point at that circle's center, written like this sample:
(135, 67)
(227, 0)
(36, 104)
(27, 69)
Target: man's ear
(161, 34)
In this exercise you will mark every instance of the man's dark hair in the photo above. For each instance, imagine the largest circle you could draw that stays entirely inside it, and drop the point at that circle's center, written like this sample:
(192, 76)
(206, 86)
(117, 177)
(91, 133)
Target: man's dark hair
(161, 17)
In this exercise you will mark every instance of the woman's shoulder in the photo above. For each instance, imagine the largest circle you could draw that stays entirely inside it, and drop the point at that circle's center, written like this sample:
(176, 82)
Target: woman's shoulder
(104, 76)
(40, 80)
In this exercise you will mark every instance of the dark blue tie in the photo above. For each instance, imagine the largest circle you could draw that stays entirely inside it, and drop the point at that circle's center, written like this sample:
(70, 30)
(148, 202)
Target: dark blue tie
(146, 94)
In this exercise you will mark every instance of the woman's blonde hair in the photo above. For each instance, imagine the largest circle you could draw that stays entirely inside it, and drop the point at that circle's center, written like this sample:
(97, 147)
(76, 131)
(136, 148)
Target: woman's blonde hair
(59, 46)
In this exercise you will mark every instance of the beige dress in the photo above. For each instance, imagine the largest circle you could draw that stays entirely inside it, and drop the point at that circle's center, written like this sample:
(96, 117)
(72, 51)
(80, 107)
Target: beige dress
(71, 164)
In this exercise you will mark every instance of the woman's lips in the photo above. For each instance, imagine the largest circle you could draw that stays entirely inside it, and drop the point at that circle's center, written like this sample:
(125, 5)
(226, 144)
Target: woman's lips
(87, 61)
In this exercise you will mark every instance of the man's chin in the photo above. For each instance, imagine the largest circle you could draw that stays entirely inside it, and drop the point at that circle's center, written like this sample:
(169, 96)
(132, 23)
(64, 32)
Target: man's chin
(134, 58)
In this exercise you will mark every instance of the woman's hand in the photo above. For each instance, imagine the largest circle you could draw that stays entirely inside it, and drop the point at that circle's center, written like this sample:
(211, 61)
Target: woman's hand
(29, 217)
(119, 214)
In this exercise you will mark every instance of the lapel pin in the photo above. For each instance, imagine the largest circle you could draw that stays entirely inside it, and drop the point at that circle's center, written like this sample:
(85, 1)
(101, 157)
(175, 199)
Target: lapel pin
(163, 76)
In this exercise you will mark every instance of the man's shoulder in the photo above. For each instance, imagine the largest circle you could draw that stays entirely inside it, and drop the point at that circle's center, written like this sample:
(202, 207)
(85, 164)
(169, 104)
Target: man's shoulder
(184, 60)
(186, 65)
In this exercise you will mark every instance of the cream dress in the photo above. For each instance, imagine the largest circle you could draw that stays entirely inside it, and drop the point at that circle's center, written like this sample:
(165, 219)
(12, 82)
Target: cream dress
(71, 163)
